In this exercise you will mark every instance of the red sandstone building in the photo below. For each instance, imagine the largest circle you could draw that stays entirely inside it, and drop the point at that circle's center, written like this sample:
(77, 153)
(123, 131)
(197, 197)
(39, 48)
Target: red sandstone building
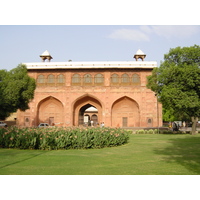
(85, 93)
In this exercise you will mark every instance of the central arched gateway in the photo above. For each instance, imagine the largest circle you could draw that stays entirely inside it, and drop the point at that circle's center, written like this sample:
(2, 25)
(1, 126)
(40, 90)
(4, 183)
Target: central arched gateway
(80, 107)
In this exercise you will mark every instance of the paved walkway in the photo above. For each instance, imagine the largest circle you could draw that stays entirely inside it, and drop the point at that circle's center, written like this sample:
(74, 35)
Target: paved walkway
(188, 129)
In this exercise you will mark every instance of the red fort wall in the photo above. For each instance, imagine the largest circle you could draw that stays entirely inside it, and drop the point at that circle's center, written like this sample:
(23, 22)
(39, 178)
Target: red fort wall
(120, 96)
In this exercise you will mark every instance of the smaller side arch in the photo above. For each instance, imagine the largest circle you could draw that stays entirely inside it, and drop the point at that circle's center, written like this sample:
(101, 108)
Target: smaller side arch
(76, 80)
(50, 110)
(125, 113)
(125, 79)
(87, 80)
(114, 79)
(51, 78)
(99, 79)
(40, 80)
(60, 79)
(136, 80)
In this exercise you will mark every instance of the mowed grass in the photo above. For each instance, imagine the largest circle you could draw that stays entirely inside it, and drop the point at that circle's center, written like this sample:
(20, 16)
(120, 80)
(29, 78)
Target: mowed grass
(155, 154)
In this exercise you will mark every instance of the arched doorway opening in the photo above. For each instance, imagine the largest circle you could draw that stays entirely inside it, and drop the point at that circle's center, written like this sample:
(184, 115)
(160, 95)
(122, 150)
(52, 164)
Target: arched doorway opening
(88, 116)
(50, 110)
(87, 112)
(91, 116)
(94, 119)
(125, 113)
(86, 119)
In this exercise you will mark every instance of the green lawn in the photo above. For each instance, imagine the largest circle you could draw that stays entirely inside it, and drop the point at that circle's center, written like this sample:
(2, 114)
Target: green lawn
(143, 155)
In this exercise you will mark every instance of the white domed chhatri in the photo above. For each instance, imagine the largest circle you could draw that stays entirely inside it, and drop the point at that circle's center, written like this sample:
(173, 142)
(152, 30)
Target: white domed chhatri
(139, 54)
(93, 64)
(46, 55)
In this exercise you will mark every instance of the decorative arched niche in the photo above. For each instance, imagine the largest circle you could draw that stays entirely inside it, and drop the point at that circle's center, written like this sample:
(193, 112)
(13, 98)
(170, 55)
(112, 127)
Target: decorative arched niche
(50, 110)
(125, 113)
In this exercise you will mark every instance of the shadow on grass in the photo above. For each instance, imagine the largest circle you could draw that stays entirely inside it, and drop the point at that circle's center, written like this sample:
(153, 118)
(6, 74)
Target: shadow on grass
(22, 160)
(184, 151)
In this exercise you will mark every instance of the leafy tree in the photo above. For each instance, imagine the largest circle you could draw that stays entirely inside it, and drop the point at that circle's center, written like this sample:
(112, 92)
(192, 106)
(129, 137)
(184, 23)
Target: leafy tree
(16, 90)
(177, 83)
(168, 115)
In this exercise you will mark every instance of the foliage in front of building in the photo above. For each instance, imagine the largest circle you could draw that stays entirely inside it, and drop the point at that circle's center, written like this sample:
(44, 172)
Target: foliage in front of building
(155, 131)
(150, 131)
(62, 138)
(16, 90)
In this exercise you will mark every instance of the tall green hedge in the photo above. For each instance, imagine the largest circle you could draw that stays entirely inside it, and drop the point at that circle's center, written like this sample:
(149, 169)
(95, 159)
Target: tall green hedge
(61, 138)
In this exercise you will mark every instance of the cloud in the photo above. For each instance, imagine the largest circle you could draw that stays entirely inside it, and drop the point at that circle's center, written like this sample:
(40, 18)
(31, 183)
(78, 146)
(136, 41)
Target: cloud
(144, 33)
(175, 31)
(129, 34)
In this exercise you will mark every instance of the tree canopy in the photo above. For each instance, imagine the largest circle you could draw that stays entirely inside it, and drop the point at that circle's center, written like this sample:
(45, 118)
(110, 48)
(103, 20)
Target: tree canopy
(177, 82)
(16, 90)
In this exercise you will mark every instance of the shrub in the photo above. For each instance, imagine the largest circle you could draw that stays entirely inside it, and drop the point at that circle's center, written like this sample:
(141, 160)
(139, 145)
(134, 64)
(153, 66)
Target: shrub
(172, 132)
(151, 131)
(62, 138)
(140, 132)
(156, 131)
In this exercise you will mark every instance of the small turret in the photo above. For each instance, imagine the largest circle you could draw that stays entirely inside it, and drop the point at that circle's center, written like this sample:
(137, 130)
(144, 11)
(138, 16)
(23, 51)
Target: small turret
(139, 54)
(46, 55)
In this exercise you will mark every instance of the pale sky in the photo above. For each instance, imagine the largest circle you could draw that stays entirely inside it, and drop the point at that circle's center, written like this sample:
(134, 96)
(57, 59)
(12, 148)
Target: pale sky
(92, 30)
(21, 44)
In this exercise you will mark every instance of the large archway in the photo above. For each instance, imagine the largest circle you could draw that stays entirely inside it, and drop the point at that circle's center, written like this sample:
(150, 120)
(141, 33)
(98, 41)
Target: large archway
(50, 110)
(125, 113)
(81, 115)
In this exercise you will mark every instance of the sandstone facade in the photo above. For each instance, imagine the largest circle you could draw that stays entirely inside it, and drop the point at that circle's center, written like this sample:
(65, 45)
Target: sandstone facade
(117, 90)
